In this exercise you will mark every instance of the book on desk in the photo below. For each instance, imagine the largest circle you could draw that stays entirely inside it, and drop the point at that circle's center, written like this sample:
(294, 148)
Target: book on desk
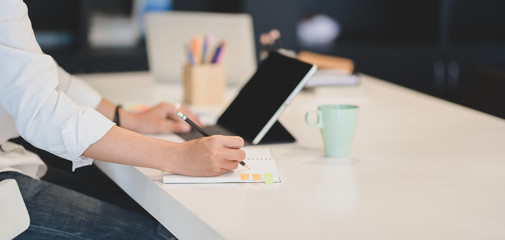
(332, 70)
(332, 77)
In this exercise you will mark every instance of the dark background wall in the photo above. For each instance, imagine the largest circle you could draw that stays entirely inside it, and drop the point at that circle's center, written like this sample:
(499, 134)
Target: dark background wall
(452, 49)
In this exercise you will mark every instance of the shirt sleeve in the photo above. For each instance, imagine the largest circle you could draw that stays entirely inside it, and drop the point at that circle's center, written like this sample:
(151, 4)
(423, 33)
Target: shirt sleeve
(78, 90)
(44, 115)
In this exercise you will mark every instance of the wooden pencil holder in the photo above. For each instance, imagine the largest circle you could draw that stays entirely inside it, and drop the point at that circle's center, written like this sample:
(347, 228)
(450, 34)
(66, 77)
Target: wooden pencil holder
(204, 84)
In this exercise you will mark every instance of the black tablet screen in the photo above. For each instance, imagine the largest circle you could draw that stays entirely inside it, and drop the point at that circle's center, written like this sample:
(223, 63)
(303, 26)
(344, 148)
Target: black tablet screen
(274, 80)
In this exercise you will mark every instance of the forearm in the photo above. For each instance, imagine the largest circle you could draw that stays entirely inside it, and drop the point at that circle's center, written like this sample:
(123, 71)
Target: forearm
(126, 147)
(106, 108)
(208, 156)
(128, 120)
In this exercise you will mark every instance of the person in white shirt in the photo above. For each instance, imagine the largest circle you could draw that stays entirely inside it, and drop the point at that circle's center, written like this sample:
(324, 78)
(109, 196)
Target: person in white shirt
(61, 114)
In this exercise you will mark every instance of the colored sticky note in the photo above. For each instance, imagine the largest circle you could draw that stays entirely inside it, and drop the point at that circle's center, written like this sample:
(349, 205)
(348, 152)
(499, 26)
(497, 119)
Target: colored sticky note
(244, 176)
(256, 176)
(269, 180)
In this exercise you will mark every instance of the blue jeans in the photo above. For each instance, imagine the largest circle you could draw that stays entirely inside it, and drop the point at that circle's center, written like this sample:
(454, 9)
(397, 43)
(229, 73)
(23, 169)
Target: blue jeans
(59, 213)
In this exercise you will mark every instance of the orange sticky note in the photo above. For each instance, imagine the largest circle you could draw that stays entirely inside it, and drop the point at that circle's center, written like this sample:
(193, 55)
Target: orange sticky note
(244, 176)
(256, 176)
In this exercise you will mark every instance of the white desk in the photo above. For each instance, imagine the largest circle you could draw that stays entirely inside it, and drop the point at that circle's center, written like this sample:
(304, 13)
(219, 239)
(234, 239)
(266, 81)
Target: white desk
(421, 168)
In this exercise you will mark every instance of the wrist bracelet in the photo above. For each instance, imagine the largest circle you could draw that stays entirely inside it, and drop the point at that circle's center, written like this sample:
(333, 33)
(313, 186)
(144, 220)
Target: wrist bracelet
(116, 115)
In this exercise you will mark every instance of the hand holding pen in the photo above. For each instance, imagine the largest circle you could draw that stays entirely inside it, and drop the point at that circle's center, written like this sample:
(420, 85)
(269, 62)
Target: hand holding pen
(200, 130)
(207, 156)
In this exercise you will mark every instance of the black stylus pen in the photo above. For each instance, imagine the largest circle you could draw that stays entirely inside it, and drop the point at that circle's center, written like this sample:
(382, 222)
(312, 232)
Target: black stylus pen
(199, 129)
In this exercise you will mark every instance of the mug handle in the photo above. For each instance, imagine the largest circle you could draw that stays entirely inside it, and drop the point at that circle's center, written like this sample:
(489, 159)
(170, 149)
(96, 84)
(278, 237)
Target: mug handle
(318, 123)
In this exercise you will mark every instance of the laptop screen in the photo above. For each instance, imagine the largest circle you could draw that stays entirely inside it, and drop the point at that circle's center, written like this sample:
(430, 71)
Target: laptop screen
(277, 78)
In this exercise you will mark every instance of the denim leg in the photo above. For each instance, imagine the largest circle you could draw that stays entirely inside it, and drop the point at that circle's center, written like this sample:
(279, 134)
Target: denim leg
(58, 213)
(88, 180)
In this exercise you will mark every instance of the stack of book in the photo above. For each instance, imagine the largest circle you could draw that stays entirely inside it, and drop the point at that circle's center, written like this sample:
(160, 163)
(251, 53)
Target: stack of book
(332, 70)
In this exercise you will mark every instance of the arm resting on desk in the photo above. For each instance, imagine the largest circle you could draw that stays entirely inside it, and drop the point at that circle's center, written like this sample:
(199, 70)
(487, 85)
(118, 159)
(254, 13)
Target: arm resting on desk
(208, 156)
(158, 119)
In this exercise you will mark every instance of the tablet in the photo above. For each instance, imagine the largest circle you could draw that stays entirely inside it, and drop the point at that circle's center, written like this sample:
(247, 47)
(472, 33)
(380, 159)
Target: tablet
(263, 98)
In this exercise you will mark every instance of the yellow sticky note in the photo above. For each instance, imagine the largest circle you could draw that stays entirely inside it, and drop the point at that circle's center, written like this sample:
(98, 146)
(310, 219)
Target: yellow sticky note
(256, 177)
(244, 176)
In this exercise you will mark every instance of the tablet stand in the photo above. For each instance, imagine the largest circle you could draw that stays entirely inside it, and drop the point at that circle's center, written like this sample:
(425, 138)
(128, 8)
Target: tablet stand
(277, 134)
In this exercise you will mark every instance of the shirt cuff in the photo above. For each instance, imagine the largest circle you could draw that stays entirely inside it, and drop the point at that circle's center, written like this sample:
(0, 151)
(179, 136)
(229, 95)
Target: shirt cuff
(81, 162)
(82, 129)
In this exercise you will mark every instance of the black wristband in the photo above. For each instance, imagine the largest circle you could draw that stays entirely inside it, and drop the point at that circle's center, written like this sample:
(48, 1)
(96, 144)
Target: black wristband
(116, 115)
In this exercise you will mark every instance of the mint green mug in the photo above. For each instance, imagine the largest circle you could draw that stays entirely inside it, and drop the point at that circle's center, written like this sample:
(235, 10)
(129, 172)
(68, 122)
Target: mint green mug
(337, 123)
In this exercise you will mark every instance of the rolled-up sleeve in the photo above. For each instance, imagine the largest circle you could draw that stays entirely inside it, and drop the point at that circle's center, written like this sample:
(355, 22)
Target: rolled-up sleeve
(78, 90)
(30, 91)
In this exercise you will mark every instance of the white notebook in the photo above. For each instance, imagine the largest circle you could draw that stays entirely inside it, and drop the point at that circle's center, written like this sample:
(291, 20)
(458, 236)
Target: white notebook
(260, 161)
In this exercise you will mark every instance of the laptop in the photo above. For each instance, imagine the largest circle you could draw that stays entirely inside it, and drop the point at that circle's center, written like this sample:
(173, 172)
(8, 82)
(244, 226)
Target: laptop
(168, 32)
(254, 112)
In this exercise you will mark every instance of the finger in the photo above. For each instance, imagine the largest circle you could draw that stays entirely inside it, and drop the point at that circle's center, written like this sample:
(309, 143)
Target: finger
(191, 116)
(221, 172)
(236, 155)
(177, 127)
(229, 165)
(166, 107)
(232, 141)
(173, 116)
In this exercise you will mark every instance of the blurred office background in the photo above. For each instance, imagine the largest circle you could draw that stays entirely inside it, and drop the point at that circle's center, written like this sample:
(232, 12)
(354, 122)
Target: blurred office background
(452, 49)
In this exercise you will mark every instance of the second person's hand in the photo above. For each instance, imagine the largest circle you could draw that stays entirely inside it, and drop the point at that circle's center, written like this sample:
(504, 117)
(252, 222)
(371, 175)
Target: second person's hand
(160, 119)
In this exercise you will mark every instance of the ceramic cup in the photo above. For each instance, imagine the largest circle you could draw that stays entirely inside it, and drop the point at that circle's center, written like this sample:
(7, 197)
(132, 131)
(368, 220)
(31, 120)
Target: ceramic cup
(337, 123)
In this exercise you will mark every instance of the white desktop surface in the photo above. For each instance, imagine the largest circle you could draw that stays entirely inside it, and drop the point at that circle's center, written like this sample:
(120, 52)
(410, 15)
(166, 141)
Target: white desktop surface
(421, 168)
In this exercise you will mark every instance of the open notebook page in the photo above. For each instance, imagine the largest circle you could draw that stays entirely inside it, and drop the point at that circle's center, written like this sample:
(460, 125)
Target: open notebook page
(260, 161)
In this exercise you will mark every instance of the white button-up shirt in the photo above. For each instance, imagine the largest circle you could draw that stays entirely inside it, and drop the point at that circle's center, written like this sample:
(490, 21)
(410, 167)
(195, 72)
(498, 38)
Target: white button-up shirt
(41, 102)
